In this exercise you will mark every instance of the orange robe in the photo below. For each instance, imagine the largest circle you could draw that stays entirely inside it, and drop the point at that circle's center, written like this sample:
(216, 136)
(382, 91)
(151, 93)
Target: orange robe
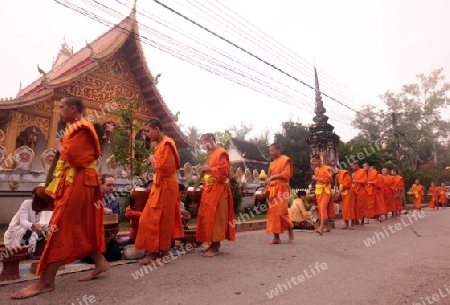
(388, 192)
(434, 192)
(77, 219)
(398, 192)
(134, 217)
(216, 212)
(443, 195)
(380, 206)
(277, 215)
(371, 193)
(160, 221)
(323, 191)
(418, 191)
(360, 193)
(345, 187)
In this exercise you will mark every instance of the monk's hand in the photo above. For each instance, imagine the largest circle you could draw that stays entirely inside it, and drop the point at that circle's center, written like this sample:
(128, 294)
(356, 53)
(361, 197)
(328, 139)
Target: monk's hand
(37, 227)
(107, 211)
(206, 168)
(58, 145)
(313, 177)
(151, 159)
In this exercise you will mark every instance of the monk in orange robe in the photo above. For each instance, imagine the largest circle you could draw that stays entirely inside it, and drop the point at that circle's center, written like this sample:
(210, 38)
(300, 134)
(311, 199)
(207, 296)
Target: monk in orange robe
(443, 195)
(215, 215)
(380, 206)
(160, 221)
(388, 191)
(418, 191)
(359, 192)
(323, 174)
(433, 192)
(345, 189)
(280, 171)
(371, 190)
(75, 188)
(399, 187)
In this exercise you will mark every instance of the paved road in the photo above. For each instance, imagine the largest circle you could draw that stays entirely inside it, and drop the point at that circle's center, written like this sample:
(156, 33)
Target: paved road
(410, 264)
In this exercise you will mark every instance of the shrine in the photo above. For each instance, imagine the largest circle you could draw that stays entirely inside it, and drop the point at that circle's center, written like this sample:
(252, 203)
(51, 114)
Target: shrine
(112, 66)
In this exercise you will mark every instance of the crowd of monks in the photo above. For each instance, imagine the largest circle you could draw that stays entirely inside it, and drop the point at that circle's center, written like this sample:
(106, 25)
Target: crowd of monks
(438, 195)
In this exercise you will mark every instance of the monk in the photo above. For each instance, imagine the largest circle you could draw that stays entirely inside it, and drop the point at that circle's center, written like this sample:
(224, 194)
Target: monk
(323, 174)
(418, 191)
(371, 191)
(388, 191)
(347, 204)
(280, 171)
(443, 195)
(398, 187)
(75, 189)
(215, 214)
(380, 206)
(160, 220)
(433, 192)
(359, 192)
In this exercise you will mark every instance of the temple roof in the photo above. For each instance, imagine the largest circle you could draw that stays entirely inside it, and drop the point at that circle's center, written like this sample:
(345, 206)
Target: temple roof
(248, 150)
(124, 35)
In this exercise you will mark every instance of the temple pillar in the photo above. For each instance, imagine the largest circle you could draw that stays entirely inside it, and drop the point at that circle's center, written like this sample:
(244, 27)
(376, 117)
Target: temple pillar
(12, 132)
(53, 128)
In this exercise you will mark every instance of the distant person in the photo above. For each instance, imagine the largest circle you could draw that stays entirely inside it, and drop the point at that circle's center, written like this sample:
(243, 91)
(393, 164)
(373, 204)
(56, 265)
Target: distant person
(323, 174)
(347, 204)
(433, 192)
(399, 188)
(297, 212)
(359, 191)
(388, 192)
(418, 192)
(111, 202)
(443, 195)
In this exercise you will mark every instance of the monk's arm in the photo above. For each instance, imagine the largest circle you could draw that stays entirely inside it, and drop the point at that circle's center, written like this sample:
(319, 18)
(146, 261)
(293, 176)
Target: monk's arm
(165, 162)
(78, 149)
(221, 170)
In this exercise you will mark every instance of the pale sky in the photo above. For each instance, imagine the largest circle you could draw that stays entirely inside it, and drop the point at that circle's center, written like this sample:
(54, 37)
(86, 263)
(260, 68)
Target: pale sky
(360, 48)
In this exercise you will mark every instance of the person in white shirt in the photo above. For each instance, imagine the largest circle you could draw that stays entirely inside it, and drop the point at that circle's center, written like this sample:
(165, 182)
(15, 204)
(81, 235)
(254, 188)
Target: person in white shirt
(27, 227)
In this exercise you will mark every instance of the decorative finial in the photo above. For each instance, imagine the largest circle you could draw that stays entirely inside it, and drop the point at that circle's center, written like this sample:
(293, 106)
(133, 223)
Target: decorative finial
(157, 78)
(44, 75)
(89, 46)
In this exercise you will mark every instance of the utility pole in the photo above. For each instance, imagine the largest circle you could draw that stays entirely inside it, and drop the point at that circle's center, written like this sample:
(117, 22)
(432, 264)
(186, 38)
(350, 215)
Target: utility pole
(396, 136)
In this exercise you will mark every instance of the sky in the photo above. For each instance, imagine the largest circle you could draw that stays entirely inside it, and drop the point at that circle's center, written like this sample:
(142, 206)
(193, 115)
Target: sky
(361, 49)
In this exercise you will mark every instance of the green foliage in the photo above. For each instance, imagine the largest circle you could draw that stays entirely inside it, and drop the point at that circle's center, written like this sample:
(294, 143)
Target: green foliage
(129, 152)
(293, 144)
(222, 138)
(236, 192)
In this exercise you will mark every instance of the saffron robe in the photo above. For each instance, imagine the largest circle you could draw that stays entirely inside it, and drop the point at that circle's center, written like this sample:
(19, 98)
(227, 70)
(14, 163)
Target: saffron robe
(323, 191)
(160, 220)
(360, 193)
(443, 195)
(371, 192)
(434, 192)
(388, 192)
(134, 217)
(418, 192)
(278, 219)
(399, 186)
(380, 205)
(345, 188)
(77, 219)
(216, 212)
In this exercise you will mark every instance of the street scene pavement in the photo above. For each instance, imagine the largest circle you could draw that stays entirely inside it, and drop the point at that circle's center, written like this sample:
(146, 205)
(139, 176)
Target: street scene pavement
(403, 261)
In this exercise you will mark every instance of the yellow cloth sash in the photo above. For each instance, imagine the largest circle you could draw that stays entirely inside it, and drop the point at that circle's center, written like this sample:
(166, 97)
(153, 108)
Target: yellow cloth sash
(209, 179)
(272, 188)
(343, 192)
(416, 194)
(60, 167)
(323, 187)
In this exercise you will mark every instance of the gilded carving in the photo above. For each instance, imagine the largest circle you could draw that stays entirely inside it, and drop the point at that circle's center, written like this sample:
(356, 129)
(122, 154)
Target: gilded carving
(30, 120)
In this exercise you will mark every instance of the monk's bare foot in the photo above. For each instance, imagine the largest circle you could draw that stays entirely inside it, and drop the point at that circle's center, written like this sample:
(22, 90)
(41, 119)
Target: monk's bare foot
(291, 235)
(274, 242)
(32, 290)
(210, 253)
(102, 267)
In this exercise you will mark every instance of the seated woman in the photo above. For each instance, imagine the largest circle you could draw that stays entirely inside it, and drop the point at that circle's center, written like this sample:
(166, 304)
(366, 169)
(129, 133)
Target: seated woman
(297, 212)
(28, 227)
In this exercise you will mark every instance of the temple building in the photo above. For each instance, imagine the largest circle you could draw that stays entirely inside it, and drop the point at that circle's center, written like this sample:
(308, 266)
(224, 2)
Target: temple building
(322, 141)
(111, 66)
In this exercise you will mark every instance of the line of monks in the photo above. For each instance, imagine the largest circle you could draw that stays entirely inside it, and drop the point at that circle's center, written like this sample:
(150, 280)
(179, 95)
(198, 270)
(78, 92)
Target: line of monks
(437, 195)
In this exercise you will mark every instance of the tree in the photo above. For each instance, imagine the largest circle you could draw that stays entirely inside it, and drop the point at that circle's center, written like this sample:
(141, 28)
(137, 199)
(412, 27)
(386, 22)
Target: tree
(262, 141)
(293, 144)
(242, 132)
(411, 121)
